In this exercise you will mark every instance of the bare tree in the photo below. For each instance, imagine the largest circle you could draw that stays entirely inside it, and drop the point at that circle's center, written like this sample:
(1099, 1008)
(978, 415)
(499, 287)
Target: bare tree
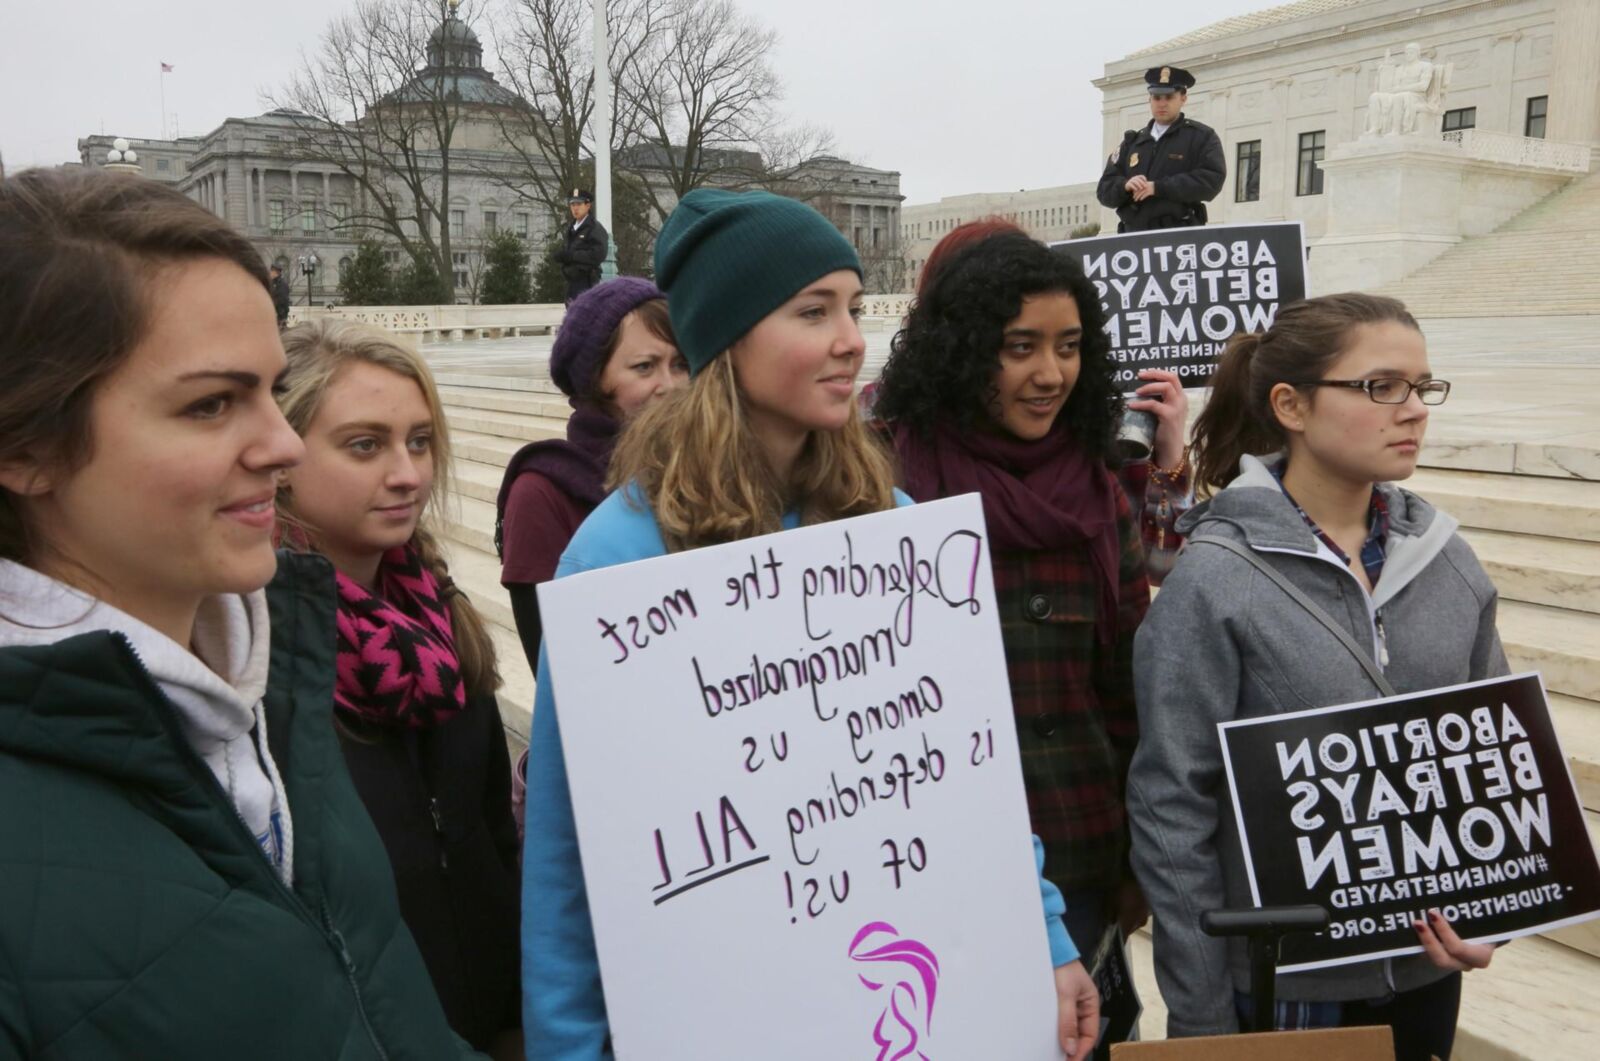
(702, 96)
(694, 100)
(370, 104)
(547, 57)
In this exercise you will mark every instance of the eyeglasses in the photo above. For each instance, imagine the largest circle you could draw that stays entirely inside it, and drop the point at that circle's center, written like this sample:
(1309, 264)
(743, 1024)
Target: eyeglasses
(1391, 390)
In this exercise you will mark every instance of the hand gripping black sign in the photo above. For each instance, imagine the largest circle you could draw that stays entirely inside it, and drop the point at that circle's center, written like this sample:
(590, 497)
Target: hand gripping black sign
(1457, 800)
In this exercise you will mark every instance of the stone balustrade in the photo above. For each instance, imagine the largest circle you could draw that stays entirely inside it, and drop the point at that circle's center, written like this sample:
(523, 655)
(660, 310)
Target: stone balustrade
(430, 323)
(438, 323)
(1486, 146)
(891, 307)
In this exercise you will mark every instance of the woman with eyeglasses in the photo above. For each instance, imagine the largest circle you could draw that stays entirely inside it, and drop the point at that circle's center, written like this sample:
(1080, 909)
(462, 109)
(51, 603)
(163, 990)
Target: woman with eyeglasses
(1309, 426)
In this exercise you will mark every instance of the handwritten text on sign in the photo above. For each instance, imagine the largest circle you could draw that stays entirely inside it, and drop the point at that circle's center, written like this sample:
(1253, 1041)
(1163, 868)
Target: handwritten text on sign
(798, 795)
(1456, 799)
(1174, 296)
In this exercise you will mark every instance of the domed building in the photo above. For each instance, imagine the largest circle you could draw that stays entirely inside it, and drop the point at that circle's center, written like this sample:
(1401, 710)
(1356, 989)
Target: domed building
(455, 69)
(273, 177)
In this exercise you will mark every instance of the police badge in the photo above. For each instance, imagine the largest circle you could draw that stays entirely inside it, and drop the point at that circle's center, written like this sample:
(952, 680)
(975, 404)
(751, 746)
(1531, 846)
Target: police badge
(1133, 159)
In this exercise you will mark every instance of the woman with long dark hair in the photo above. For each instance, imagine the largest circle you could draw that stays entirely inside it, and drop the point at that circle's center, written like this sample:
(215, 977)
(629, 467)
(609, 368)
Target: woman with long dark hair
(1001, 383)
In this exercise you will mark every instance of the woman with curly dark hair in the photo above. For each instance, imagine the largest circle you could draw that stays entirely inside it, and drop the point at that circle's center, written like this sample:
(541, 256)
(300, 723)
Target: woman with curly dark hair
(1001, 384)
(1161, 487)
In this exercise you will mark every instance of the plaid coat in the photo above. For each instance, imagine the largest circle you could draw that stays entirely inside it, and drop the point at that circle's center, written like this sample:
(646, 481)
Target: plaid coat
(1073, 699)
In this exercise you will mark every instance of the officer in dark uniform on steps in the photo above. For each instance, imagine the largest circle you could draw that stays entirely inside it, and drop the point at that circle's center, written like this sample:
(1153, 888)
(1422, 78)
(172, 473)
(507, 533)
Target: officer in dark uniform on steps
(583, 246)
(1164, 174)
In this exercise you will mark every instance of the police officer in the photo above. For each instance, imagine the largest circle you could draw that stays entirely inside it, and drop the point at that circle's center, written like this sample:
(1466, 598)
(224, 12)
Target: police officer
(1164, 174)
(583, 245)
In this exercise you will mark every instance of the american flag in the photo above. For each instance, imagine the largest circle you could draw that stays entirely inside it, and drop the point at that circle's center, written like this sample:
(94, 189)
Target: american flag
(166, 68)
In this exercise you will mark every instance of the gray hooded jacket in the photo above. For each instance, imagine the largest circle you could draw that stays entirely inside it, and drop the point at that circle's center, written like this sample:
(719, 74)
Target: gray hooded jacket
(1223, 642)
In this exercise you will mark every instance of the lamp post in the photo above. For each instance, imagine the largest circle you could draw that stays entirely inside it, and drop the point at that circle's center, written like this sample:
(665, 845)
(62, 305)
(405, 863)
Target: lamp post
(121, 157)
(308, 269)
(602, 137)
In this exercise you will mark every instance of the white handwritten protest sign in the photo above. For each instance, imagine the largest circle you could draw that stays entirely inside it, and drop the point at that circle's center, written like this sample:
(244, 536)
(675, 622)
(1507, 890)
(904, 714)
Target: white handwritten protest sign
(1456, 799)
(1174, 296)
(799, 799)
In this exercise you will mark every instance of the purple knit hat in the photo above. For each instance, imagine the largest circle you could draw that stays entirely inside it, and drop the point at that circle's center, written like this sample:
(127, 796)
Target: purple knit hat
(576, 358)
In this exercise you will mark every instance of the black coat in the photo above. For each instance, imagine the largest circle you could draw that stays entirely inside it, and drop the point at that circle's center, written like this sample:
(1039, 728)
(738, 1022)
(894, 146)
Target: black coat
(1186, 165)
(582, 251)
(280, 297)
(441, 799)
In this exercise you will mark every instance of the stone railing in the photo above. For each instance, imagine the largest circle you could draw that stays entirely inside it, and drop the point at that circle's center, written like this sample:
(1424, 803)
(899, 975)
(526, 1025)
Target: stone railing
(437, 323)
(1521, 150)
(892, 307)
(429, 323)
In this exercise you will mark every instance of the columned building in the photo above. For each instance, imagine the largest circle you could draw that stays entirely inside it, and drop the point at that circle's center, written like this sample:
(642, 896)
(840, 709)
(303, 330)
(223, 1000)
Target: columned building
(1284, 85)
(265, 176)
(276, 179)
(1044, 213)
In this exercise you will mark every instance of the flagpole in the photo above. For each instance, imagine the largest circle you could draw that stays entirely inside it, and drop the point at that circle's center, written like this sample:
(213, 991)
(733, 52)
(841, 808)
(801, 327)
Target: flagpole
(163, 101)
(602, 136)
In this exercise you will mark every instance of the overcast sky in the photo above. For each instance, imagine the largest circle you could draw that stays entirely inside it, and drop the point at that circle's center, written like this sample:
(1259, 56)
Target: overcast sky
(976, 95)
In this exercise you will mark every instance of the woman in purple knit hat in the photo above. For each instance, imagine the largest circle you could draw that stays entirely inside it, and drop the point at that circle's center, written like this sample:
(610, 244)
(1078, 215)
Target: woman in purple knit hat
(614, 355)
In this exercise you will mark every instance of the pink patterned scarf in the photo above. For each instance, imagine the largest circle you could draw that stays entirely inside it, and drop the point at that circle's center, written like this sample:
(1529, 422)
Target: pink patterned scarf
(397, 662)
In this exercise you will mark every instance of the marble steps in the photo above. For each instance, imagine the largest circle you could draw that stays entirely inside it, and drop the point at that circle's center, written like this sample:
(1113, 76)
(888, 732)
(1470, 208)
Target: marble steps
(1460, 448)
(1578, 202)
(477, 479)
(524, 383)
(1513, 504)
(1585, 937)
(471, 523)
(1534, 281)
(477, 573)
(526, 403)
(1512, 1012)
(1561, 644)
(504, 425)
(1577, 723)
(1539, 570)
(489, 450)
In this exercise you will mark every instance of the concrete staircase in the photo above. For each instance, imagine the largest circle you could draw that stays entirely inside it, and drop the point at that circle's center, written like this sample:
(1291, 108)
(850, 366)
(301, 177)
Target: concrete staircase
(491, 417)
(1538, 535)
(1544, 261)
(1539, 539)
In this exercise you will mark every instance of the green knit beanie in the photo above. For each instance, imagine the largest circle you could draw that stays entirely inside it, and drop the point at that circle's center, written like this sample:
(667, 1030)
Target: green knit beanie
(727, 259)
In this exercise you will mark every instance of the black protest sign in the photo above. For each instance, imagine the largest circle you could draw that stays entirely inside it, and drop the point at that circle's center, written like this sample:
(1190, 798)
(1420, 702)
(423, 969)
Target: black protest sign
(1120, 1005)
(1457, 799)
(1174, 296)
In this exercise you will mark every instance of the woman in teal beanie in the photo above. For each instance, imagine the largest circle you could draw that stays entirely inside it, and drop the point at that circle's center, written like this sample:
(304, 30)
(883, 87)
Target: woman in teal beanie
(764, 294)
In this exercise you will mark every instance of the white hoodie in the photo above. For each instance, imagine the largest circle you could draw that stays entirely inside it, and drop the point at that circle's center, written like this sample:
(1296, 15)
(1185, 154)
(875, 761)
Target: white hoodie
(215, 690)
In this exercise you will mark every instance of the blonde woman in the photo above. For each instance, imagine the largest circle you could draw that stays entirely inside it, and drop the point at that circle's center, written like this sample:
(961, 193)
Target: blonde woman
(414, 695)
(764, 294)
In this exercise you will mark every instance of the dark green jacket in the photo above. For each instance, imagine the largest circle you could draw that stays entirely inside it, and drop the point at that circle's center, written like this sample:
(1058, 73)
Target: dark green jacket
(138, 917)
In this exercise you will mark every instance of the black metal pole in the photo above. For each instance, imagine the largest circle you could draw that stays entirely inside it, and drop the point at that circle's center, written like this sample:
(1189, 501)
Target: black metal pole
(1263, 982)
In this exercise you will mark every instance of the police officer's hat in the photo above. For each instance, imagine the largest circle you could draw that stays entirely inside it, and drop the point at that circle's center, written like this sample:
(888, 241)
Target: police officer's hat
(1164, 80)
(580, 195)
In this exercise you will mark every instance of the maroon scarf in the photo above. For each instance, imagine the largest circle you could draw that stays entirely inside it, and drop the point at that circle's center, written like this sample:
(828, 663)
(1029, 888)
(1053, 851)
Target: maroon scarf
(576, 464)
(397, 662)
(1037, 496)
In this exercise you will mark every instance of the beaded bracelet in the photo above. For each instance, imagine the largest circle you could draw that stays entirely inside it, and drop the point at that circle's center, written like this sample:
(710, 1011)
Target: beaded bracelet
(1172, 474)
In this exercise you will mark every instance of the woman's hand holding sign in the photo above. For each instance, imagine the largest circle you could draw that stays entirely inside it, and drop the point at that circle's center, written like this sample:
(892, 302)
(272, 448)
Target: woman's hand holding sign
(1078, 1009)
(1446, 949)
